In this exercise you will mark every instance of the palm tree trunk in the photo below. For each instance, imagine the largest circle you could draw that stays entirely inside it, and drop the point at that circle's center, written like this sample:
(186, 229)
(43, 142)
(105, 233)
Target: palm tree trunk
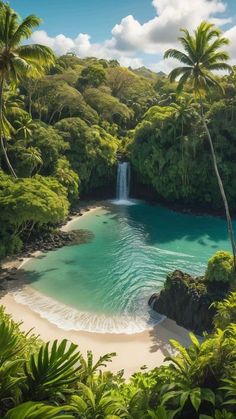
(221, 187)
(30, 104)
(1, 132)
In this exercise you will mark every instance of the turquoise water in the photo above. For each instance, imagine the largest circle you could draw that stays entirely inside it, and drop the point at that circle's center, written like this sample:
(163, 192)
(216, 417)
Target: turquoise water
(104, 285)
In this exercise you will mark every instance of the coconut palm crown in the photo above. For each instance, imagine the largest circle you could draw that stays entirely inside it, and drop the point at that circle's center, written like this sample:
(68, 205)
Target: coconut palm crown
(202, 55)
(18, 60)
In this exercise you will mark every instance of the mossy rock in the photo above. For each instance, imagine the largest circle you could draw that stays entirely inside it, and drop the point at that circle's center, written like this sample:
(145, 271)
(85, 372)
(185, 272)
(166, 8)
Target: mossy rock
(188, 301)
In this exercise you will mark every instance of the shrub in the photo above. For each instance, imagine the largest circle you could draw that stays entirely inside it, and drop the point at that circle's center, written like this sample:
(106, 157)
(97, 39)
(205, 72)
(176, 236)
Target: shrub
(220, 268)
(226, 312)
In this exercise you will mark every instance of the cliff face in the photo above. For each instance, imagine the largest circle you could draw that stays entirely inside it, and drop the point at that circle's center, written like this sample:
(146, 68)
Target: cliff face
(187, 301)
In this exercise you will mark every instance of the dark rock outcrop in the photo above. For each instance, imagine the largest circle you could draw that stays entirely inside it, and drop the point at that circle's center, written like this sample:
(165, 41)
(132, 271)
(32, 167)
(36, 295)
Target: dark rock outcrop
(187, 301)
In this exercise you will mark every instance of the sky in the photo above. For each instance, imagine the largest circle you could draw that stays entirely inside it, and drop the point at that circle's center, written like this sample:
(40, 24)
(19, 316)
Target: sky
(136, 32)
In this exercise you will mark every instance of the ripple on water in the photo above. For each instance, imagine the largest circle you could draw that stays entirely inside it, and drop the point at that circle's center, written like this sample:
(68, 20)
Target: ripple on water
(104, 285)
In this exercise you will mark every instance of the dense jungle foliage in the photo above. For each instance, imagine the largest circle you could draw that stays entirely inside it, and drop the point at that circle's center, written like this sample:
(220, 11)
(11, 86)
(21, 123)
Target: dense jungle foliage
(65, 123)
(54, 380)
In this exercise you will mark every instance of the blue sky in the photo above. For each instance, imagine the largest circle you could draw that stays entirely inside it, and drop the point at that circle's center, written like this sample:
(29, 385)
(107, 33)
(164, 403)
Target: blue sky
(134, 31)
(73, 16)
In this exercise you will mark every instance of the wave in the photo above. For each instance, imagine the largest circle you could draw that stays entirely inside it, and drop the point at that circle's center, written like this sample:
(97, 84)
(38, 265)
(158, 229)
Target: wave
(69, 318)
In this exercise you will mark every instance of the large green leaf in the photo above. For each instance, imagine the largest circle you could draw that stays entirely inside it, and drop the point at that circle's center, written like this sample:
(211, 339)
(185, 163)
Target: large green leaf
(32, 410)
(49, 371)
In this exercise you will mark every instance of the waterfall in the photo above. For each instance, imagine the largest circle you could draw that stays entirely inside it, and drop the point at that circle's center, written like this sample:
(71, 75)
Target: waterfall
(123, 183)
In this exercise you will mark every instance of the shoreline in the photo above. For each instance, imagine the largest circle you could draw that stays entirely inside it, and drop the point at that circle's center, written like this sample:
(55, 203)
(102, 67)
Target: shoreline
(66, 226)
(16, 262)
(153, 345)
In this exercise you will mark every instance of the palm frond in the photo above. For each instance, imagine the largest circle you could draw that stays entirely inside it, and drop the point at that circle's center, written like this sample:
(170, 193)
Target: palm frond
(24, 30)
(218, 67)
(212, 50)
(183, 80)
(178, 55)
(177, 72)
(189, 44)
(36, 54)
(203, 51)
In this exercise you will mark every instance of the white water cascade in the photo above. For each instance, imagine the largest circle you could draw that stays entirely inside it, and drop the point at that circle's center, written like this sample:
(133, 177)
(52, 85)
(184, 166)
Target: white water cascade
(123, 183)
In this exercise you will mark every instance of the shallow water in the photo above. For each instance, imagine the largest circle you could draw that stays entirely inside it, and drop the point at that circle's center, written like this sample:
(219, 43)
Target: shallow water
(104, 285)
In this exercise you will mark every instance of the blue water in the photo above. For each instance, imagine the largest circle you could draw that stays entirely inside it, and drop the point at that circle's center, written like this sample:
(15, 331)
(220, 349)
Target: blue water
(104, 284)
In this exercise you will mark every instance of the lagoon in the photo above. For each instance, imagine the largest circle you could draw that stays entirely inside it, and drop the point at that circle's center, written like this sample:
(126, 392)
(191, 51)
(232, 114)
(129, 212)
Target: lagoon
(104, 285)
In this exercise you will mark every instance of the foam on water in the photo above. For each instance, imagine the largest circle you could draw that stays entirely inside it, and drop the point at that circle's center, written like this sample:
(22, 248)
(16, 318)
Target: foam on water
(104, 285)
(123, 202)
(68, 318)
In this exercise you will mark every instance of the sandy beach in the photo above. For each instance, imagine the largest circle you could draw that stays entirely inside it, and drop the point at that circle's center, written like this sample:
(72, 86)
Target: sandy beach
(133, 351)
(69, 225)
(147, 348)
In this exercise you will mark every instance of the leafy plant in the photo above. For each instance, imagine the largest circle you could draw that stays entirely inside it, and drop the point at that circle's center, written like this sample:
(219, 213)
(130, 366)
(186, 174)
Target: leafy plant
(220, 268)
(32, 410)
(226, 311)
(50, 371)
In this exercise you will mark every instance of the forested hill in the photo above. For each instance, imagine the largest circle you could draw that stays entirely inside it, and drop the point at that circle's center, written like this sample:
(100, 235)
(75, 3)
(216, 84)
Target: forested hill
(137, 113)
(63, 132)
(82, 111)
(66, 129)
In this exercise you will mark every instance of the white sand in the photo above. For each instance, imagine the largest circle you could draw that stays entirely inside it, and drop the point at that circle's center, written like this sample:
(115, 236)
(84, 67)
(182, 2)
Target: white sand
(133, 351)
(69, 225)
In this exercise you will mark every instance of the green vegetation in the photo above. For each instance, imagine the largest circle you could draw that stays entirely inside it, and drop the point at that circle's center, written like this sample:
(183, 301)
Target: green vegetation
(17, 60)
(91, 151)
(220, 268)
(192, 301)
(226, 311)
(54, 380)
(26, 204)
(203, 55)
(63, 120)
(68, 118)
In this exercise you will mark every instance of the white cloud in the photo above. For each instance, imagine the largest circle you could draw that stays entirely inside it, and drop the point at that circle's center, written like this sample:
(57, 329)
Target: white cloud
(231, 35)
(130, 38)
(82, 47)
(159, 33)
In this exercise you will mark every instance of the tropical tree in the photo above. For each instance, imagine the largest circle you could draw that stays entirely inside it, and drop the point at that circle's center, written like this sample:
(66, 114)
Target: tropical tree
(201, 57)
(33, 158)
(91, 76)
(17, 60)
(25, 126)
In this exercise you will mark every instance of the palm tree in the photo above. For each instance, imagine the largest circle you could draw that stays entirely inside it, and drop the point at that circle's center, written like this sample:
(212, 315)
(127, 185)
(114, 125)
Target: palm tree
(202, 55)
(18, 61)
(25, 125)
(33, 156)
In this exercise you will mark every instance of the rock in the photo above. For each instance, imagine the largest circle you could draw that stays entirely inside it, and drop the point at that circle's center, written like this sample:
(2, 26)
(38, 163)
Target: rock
(187, 301)
(74, 212)
(10, 278)
(153, 299)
